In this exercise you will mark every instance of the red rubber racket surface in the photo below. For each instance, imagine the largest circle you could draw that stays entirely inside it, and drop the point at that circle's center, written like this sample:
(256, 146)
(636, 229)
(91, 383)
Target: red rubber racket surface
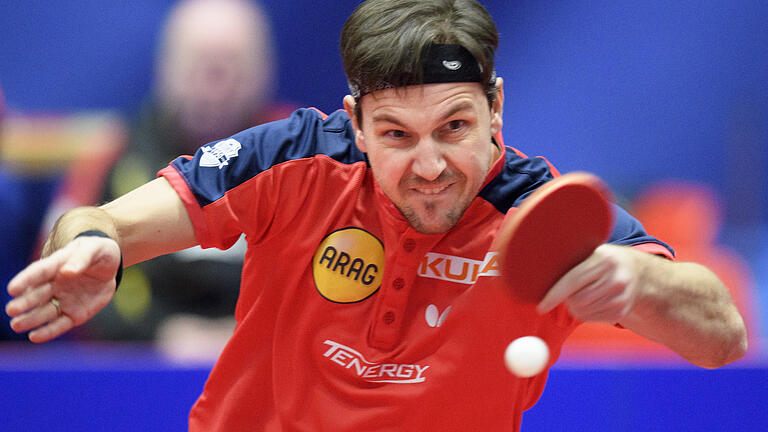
(558, 226)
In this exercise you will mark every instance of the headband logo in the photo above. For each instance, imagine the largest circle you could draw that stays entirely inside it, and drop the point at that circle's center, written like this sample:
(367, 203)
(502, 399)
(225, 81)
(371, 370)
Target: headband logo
(452, 65)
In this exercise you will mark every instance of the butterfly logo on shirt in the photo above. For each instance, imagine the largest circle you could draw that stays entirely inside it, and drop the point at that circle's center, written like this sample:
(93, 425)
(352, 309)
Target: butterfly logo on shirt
(434, 317)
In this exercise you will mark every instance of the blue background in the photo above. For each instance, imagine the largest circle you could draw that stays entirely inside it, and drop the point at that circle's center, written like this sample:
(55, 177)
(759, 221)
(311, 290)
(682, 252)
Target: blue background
(632, 91)
(104, 387)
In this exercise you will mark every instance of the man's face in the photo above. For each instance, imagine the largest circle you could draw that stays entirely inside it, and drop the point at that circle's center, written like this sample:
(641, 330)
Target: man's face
(429, 147)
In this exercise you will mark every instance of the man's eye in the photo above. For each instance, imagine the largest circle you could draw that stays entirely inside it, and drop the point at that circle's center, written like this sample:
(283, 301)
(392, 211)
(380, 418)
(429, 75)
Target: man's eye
(395, 134)
(455, 125)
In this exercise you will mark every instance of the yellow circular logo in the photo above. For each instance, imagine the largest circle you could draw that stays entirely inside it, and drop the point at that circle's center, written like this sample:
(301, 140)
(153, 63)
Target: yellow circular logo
(348, 265)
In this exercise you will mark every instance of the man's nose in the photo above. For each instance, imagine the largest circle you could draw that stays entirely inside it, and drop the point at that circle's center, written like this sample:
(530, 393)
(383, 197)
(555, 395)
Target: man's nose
(428, 160)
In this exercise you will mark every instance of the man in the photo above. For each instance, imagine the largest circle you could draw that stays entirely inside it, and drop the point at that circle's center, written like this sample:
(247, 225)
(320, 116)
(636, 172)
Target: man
(346, 217)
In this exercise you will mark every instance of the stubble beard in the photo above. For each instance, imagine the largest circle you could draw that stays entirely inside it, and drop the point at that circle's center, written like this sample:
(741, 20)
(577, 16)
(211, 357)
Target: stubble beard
(421, 213)
(447, 219)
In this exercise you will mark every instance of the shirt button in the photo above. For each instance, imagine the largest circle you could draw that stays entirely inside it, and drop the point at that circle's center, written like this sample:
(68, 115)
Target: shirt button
(398, 283)
(388, 318)
(409, 245)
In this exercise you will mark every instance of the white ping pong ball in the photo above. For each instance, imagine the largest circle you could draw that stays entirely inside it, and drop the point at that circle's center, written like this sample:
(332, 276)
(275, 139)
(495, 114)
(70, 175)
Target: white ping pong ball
(526, 356)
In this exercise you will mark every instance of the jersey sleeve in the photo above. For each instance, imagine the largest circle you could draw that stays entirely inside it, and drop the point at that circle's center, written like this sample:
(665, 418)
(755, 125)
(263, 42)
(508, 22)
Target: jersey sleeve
(224, 184)
(522, 176)
(628, 231)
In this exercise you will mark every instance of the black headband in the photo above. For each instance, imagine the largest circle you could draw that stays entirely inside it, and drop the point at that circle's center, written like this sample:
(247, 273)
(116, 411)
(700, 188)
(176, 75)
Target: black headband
(441, 63)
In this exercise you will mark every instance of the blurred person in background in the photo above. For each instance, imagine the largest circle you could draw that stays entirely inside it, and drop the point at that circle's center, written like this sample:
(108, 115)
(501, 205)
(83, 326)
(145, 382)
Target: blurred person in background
(214, 76)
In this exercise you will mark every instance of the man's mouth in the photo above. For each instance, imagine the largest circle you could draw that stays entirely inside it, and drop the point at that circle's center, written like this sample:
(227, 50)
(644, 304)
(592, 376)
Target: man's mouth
(432, 190)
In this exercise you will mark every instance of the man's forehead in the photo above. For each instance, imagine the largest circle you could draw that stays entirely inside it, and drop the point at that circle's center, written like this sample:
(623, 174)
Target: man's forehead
(437, 95)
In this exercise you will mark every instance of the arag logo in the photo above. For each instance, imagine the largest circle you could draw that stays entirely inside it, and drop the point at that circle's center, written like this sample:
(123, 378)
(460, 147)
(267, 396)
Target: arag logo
(348, 265)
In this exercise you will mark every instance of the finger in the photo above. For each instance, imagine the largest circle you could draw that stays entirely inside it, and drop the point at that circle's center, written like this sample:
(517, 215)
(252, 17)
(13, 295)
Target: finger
(32, 298)
(52, 330)
(585, 298)
(39, 272)
(599, 287)
(606, 299)
(35, 318)
(583, 274)
(610, 308)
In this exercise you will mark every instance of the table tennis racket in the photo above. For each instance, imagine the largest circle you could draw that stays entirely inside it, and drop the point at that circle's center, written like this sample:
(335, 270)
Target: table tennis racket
(558, 226)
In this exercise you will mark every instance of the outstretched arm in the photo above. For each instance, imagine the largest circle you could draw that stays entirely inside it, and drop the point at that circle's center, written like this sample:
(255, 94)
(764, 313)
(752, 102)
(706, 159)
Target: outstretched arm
(76, 276)
(682, 305)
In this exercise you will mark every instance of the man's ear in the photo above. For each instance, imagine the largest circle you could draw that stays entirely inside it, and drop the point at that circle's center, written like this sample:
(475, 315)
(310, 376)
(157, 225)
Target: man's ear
(497, 108)
(349, 106)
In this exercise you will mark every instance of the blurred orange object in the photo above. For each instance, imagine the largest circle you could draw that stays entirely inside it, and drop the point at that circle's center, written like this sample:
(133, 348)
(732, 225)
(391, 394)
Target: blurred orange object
(688, 216)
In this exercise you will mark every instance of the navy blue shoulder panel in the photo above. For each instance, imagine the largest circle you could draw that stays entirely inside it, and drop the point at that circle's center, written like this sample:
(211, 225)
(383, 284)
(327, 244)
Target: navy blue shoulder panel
(220, 166)
(628, 231)
(521, 176)
(518, 179)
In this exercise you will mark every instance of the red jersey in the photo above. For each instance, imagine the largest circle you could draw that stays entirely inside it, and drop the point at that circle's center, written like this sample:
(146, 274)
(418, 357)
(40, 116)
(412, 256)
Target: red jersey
(348, 319)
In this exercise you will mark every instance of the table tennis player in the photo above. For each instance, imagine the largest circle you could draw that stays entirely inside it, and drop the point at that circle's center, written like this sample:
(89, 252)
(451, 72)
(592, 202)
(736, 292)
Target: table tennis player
(371, 296)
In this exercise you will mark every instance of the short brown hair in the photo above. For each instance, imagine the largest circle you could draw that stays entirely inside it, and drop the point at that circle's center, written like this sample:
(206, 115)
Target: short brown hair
(382, 40)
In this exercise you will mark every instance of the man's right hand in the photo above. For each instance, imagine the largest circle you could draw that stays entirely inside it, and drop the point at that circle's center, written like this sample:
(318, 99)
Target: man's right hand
(65, 289)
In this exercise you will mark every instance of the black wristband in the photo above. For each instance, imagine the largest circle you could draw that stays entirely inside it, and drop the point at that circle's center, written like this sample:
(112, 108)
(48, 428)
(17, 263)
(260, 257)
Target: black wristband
(97, 233)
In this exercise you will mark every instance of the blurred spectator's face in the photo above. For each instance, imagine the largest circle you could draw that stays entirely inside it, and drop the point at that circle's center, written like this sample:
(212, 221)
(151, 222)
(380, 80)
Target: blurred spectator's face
(215, 68)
